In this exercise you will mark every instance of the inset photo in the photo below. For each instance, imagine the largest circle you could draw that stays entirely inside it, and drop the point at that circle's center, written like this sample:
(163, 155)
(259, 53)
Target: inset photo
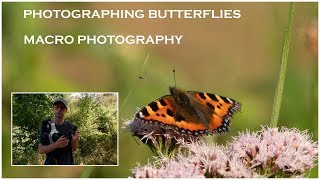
(74, 128)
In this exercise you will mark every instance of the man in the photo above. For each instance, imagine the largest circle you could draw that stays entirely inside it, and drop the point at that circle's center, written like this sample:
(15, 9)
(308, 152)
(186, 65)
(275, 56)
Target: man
(58, 151)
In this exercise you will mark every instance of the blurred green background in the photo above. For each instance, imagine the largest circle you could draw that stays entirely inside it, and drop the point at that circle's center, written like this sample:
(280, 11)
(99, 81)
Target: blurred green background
(237, 58)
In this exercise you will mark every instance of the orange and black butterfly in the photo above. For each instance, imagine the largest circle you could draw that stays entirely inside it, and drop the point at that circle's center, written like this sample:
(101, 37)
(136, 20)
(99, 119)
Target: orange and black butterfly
(190, 112)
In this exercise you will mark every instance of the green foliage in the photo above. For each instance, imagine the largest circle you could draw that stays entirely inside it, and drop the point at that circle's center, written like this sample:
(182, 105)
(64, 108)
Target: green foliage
(22, 152)
(28, 111)
(95, 115)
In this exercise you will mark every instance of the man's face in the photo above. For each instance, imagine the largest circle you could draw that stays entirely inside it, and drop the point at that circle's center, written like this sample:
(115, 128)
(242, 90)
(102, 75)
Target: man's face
(59, 109)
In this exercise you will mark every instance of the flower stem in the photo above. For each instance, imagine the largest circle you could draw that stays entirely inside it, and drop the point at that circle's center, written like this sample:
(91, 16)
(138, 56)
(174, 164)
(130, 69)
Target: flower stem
(282, 74)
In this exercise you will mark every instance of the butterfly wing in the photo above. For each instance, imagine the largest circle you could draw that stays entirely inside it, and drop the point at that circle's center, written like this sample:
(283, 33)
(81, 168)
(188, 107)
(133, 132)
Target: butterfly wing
(159, 111)
(165, 112)
(222, 109)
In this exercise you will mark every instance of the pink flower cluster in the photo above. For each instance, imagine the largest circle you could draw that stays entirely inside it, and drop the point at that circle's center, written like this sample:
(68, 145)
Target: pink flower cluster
(285, 152)
(181, 167)
(268, 153)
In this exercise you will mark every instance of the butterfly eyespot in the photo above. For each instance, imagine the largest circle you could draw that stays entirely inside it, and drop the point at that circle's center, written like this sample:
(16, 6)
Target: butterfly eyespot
(183, 131)
(189, 132)
(196, 133)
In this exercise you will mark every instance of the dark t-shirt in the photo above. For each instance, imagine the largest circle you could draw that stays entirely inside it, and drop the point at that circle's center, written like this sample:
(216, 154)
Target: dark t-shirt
(59, 156)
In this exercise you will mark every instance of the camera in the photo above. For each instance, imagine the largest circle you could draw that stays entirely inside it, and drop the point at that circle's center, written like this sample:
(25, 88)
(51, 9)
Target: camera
(50, 132)
(54, 134)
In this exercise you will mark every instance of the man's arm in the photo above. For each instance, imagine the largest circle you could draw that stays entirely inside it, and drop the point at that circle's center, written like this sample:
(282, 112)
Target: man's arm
(44, 149)
(61, 142)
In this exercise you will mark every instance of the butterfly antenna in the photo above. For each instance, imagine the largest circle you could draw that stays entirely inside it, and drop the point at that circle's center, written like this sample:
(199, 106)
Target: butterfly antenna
(174, 78)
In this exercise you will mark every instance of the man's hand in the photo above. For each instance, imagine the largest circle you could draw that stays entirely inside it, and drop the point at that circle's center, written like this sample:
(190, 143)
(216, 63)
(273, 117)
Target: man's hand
(61, 142)
(76, 135)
